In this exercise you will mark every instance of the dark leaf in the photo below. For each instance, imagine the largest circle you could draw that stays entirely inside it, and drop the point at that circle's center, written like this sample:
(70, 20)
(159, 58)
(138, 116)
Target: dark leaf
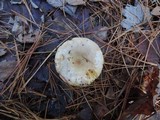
(2, 52)
(43, 74)
(28, 38)
(150, 47)
(150, 81)
(44, 6)
(6, 68)
(83, 16)
(85, 114)
(100, 111)
(10, 55)
(142, 106)
(49, 46)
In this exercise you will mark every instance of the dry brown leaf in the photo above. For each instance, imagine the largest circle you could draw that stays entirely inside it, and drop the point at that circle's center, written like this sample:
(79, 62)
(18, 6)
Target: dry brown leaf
(111, 93)
(102, 33)
(147, 13)
(150, 82)
(156, 116)
(150, 49)
(6, 68)
(96, 0)
(156, 11)
(141, 106)
(144, 105)
(135, 15)
(28, 38)
(85, 114)
(100, 111)
(76, 2)
(99, 1)
(16, 1)
(2, 52)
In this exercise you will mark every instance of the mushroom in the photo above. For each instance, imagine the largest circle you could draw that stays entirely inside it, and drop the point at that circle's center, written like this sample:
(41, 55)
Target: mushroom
(79, 61)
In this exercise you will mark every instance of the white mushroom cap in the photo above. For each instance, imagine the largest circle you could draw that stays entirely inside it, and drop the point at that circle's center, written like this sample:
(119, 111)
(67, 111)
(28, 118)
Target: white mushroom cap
(79, 61)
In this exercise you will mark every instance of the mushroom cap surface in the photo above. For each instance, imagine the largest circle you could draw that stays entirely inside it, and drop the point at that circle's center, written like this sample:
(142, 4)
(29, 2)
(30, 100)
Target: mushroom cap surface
(79, 61)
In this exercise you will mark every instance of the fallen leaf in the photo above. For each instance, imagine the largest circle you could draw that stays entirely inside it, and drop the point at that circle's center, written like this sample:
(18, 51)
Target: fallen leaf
(156, 97)
(134, 15)
(85, 114)
(102, 33)
(150, 82)
(44, 6)
(19, 9)
(144, 104)
(42, 74)
(60, 3)
(10, 54)
(28, 38)
(63, 6)
(56, 3)
(100, 111)
(110, 93)
(17, 24)
(76, 2)
(87, 23)
(147, 13)
(16, 1)
(2, 51)
(1, 85)
(6, 68)
(156, 116)
(1, 5)
(151, 50)
(141, 106)
(156, 11)
(33, 4)
(154, 1)
(99, 0)
(17, 27)
(69, 9)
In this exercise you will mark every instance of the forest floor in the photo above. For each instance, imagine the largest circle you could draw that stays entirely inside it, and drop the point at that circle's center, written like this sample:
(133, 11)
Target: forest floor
(128, 33)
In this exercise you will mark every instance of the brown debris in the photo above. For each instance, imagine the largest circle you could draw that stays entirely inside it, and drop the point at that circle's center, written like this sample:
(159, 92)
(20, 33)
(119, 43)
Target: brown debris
(6, 68)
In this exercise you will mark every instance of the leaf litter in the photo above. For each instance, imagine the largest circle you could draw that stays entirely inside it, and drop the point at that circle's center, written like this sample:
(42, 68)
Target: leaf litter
(156, 11)
(2, 51)
(34, 29)
(135, 15)
(150, 48)
(7, 68)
